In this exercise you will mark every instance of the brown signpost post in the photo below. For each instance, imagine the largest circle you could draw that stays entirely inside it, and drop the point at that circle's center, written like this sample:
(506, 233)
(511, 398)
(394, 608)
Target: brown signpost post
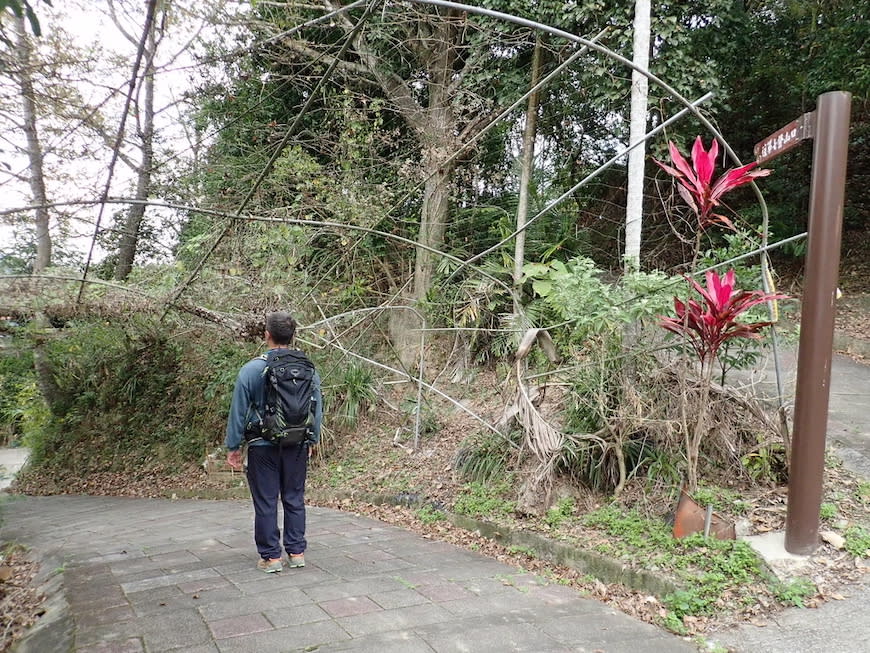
(828, 125)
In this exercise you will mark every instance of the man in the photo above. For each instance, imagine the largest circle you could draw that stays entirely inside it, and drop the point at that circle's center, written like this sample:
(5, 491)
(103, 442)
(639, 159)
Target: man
(272, 469)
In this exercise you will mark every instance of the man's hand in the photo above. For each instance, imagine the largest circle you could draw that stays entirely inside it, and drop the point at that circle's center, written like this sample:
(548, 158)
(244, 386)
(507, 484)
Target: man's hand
(234, 459)
(312, 449)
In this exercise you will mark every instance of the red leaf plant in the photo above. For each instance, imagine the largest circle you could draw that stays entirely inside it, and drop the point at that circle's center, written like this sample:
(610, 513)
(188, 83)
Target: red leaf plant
(695, 185)
(710, 324)
(707, 325)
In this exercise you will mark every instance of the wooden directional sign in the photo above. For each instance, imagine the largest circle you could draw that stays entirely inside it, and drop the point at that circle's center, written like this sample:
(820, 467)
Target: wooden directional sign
(786, 138)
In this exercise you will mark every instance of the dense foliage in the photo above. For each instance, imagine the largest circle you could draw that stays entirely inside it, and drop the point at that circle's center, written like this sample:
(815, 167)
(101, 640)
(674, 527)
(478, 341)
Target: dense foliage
(349, 168)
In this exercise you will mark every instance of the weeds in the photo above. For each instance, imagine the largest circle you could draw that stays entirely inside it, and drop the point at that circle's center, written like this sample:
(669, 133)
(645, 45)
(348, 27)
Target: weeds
(705, 567)
(429, 515)
(486, 456)
(559, 513)
(795, 591)
(354, 394)
(857, 540)
(721, 499)
(481, 500)
(521, 550)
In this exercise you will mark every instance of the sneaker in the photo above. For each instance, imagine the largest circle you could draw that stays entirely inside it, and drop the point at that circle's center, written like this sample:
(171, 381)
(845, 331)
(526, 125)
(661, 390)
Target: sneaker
(270, 566)
(296, 560)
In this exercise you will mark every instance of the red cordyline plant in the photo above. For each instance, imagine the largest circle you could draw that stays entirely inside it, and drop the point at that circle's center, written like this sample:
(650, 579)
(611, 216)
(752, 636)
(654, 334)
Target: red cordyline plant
(709, 324)
(695, 182)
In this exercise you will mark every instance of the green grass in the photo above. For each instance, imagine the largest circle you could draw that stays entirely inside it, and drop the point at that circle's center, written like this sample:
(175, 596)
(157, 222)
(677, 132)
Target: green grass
(484, 500)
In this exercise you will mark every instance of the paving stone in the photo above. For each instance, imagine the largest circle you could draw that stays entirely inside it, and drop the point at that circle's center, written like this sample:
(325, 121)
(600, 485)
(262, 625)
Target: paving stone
(296, 638)
(126, 568)
(397, 619)
(338, 589)
(133, 645)
(167, 579)
(96, 599)
(182, 628)
(84, 575)
(444, 592)
(86, 636)
(214, 558)
(490, 639)
(295, 615)
(108, 616)
(256, 581)
(209, 647)
(205, 584)
(608, 629)
(559, 595)
(267, 602)
(400, 598)
(370, 555)
(350, 606)
(175, 559)
(115, 556)
(161, 547)
(165, 606)
(404, 641)
(515, 606)
(237, 626)
(122, 578)
(237, 565)
(353, 570)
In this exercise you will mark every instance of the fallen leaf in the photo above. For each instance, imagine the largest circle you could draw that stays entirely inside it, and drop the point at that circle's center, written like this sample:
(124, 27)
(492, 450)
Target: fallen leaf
(834, 539)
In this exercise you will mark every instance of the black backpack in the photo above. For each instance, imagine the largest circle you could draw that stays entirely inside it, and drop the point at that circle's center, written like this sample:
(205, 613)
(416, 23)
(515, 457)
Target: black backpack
(288, 384)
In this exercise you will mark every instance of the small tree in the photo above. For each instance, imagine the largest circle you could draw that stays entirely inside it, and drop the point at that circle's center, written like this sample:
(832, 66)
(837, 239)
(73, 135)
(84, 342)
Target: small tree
(707, 325)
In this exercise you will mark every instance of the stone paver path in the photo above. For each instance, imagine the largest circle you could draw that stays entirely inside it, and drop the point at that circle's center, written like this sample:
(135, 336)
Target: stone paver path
(161, 575)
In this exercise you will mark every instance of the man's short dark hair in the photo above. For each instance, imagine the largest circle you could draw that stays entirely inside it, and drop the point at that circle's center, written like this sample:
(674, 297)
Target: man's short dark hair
(281, 326)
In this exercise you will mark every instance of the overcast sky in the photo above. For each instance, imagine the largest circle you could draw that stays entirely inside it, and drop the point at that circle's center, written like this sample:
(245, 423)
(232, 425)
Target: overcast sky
(80, 177)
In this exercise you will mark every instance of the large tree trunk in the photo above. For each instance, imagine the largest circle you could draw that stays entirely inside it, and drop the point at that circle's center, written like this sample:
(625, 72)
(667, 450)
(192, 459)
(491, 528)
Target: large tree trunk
(130, 236)
(438, 135)
(34, 148)
(433, 221)
(525, 176)
(42, 363)
(637, 130)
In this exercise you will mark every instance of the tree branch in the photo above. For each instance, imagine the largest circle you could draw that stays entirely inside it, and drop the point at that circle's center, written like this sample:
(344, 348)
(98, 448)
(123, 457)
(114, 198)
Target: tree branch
(392, 85)
(313, 54)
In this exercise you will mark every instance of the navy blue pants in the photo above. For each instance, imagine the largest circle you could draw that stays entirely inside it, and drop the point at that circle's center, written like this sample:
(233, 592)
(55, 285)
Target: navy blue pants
(273, 471)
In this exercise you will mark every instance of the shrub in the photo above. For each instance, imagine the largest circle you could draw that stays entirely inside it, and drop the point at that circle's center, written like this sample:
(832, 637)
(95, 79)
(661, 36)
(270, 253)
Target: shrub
(128, 395)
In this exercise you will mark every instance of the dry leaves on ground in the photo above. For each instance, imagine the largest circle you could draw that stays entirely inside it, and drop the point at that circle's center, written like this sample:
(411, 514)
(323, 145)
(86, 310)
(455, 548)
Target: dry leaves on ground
(20, 602)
